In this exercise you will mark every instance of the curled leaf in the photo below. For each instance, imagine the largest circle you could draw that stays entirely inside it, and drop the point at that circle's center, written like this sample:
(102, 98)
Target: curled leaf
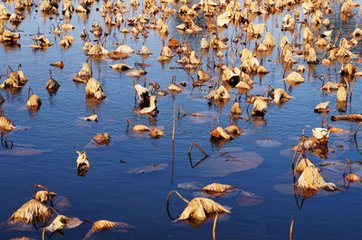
(63, 222)
(104, 225)
(217, 188)
(198, 209)
(31, 212)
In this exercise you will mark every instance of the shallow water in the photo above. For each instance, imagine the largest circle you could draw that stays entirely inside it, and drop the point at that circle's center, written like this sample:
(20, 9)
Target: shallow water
(45, 146)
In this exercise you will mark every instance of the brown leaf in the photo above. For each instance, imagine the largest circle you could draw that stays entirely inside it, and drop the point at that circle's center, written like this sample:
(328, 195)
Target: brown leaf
(303, 163)
(311, 179)
(294, 78)
(93, 117)
(156, 133)
(58, 64)
(120, 67)
(44, 196)
(102, 139)
(321, 107)
(139, 128)
(103, 225)
(6, 124)
(217, 188)
(62, 222)
(82, 162)
(31, 212)
(219, 133)
(198, 209)
(352, 177)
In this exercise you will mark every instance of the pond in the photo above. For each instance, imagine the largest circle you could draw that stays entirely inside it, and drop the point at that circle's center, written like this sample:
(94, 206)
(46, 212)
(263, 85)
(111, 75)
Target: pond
(129, 179)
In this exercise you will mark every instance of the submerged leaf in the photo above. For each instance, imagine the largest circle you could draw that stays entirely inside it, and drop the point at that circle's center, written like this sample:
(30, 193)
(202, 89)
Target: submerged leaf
(229, 160)
(247, 199)
(148, 169)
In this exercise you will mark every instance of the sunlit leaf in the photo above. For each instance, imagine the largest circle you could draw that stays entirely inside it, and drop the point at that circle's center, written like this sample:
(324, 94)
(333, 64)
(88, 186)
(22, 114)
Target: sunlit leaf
(199, 208)
(31, 212)
(104, 225)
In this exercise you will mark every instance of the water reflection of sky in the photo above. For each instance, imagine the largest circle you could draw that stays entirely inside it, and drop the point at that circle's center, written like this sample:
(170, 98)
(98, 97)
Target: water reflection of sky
(48, 139)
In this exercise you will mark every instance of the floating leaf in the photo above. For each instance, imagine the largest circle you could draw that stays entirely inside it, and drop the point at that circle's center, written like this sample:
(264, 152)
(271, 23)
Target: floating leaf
(62, 222)
(310, 179)
(219, 133)
(294, 78)
(217, 188)
(156, 133)
(103, 225)
(322, 107)
(303, 163)
(198, 209)
(82, 162)
(93, 117)
(120, 67)
(6, 124)
(44, 196)
(139, 128)
(102, 139)
(31, 212)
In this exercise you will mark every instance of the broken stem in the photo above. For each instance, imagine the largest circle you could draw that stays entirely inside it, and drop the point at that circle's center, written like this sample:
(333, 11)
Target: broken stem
(198, 146)
(355, 133)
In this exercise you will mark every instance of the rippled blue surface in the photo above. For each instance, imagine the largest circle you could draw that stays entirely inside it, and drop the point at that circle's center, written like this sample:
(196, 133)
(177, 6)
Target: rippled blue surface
(108, 192)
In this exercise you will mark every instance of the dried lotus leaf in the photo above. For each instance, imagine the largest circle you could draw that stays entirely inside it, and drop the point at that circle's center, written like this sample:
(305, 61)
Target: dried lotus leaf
(294, 78)
(219, 133)
(198, 209)
(311, 179)
(31, 212)
(217, 188)
(321, 107)
(44, 196)
(140, 128)
(303, 163)
(156, 133)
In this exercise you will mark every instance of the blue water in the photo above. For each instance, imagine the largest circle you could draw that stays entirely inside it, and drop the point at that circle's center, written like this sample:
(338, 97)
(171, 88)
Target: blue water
(46, 142)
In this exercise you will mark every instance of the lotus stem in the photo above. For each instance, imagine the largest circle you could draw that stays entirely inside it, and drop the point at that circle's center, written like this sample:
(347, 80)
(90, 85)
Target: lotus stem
(174, 119)
(55, 211)
(214, 227)
(198, 146)
(291, 230)
(178, 194)
(30, 91)
(355, 133)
